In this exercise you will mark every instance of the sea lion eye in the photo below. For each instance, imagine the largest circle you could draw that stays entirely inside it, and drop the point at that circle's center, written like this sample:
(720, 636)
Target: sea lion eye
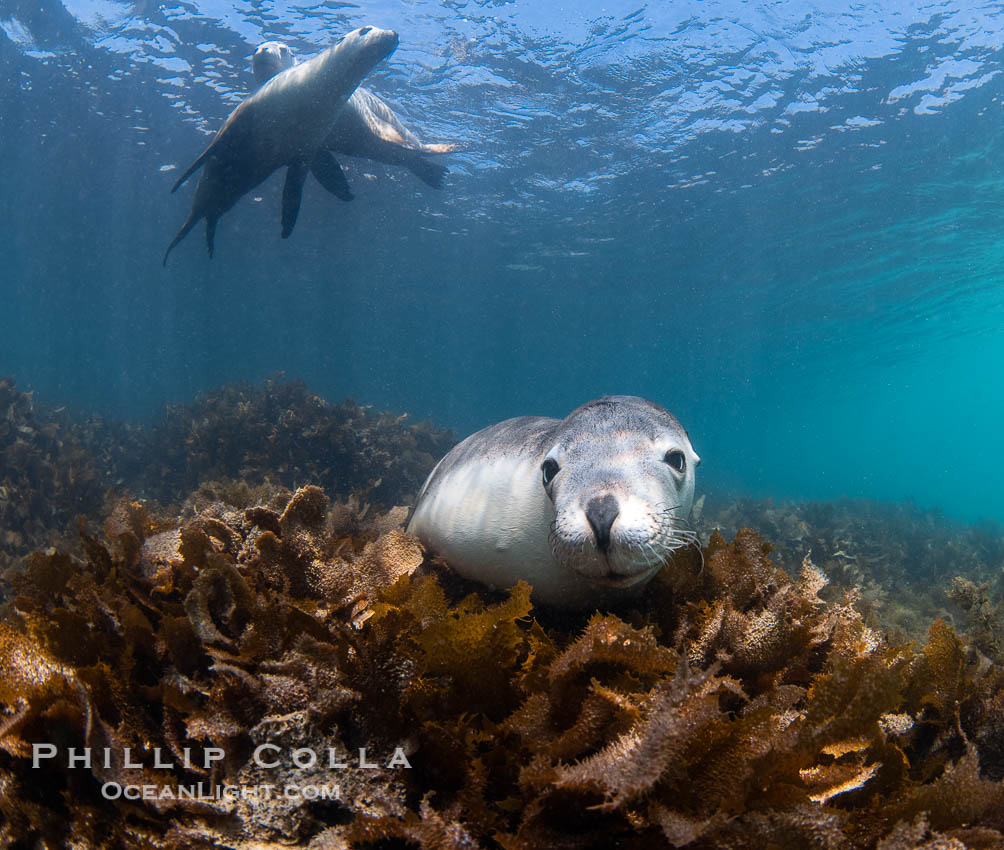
(676, 459)
(365, 30)
(549, 468)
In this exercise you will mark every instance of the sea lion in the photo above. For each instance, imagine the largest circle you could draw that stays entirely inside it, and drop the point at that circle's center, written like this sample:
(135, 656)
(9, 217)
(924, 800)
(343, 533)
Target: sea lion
(285, 122)
(271, 58)
(367, 127)
(586, 508)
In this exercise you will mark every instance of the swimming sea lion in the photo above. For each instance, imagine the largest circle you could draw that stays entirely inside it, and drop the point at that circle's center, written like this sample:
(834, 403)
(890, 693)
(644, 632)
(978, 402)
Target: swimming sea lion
(367, 127)
(271, 58)
(285, 122)
(586, 509)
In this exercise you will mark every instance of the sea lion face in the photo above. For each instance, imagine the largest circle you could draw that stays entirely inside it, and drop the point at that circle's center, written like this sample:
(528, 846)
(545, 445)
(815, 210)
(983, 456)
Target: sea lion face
(367, 46)
(271, 58)
(621, 478)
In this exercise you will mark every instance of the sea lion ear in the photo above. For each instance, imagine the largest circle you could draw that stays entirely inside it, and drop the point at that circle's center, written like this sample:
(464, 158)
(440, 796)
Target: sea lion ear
(697, 460)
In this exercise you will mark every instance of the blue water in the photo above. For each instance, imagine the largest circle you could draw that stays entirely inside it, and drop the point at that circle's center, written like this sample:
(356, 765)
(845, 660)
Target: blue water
(783, 221)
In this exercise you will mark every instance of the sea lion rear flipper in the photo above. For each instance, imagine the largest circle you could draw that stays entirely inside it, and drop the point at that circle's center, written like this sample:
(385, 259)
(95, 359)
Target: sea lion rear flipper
(190, 222)
(194, 166)
(292, 192)
(440, 148)
(429, 172)
(330, 175)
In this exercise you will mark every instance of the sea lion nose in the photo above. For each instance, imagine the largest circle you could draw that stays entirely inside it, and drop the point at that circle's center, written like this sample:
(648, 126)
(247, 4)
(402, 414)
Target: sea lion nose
(601, 511)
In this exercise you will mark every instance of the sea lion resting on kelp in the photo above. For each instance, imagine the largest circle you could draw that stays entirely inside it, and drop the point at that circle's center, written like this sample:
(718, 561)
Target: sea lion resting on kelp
(366, 127)
(284, 123)
(586, 509)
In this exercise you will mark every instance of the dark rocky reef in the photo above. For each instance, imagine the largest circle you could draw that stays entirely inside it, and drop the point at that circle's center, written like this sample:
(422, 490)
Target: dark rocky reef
(732, 708)
(55, 467)
(280, 432)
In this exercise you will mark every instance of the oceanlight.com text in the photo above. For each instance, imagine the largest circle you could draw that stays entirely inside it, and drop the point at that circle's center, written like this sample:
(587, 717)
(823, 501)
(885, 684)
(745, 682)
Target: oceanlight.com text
(208, 791)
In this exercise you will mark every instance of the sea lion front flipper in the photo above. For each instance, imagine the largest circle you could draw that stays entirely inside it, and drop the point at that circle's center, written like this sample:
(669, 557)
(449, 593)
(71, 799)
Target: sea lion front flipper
(292, 192)
(330, 175)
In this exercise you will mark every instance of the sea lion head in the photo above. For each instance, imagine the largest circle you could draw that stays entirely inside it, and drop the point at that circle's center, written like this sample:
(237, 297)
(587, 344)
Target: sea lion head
(364, 47)
(269, 59)
(620, 474)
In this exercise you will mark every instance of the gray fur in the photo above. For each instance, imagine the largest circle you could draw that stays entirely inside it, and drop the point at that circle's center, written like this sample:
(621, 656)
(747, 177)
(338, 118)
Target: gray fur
(532, 436)
(524, 435)
(366, 126)
(497, 509)
(622, 413)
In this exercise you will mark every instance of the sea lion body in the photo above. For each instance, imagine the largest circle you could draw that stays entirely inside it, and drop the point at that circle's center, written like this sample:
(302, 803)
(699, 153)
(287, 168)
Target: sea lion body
(366, 127)
(586, 509)
(284, 123)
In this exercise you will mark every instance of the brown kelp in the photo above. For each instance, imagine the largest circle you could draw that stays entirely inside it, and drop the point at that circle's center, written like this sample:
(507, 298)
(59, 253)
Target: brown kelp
(260, 667)
(282, 432)
(901, 560)
(54, 466)
(47, 476)
(732, 707)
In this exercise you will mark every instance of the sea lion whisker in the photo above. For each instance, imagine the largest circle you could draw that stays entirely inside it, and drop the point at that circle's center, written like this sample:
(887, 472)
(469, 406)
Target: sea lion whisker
(657, 556)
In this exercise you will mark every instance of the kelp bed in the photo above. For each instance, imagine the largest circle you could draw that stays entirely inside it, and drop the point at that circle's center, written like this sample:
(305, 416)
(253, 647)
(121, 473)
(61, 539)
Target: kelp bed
(909, 566)
(54, 467)
(734, 707)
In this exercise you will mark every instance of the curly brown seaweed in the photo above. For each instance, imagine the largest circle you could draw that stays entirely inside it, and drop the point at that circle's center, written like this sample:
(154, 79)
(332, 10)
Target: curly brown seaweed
(900, 559)
(734, 708)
